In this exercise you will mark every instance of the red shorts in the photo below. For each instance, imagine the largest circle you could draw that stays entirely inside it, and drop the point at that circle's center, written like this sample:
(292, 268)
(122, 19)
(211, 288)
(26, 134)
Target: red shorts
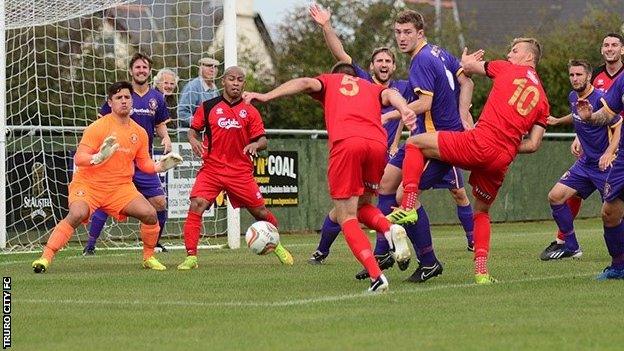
(488, 164)
(242, 189)
(111, 202)
(355, 164)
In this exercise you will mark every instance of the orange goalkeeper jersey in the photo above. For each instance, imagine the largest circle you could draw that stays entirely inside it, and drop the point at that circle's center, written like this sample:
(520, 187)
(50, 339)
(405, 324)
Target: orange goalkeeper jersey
(119, 168)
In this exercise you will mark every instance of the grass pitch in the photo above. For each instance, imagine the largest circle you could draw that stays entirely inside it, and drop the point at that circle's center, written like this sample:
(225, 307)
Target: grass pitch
(239, 301)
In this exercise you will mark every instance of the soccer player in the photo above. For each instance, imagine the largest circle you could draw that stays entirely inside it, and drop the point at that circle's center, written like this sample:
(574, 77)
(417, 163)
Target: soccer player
(589, 172)
(357, 156)
(149, 110)
(106, 157)
(382, 66)
(434, 75)
(602, 78)
(233, 133)
(613, 205)
(517, 105)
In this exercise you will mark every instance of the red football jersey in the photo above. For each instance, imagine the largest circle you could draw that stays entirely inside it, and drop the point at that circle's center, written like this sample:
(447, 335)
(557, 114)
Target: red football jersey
(227, 128)
(602, 80)
(516, 102)
(352, 107)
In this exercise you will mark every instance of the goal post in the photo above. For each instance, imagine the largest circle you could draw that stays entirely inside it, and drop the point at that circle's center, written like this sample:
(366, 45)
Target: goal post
(56, 61)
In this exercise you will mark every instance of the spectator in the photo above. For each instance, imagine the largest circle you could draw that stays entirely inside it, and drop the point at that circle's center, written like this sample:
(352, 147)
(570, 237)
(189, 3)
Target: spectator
(198, 90)
(166, 81)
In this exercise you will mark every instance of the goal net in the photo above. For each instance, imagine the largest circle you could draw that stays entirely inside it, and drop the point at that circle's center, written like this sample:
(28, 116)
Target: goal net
(60, 57)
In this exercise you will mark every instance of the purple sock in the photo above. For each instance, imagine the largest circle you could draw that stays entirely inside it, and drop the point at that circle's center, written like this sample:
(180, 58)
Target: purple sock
(614, 238)
(329, 233)
(464, 213)
(98, 220)
(565, 221)
(384, 204)
(162, 220)
(420, 236)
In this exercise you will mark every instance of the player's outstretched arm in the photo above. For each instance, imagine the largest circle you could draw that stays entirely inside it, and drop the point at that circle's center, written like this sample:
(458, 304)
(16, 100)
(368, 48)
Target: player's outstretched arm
(533, 141)
(167, 162)
(600, 117)
(554, 121)
(466, 87)
(322, 17)
(473, 63)
(85, 156)
(421, 105)
(392, 97)
(291, 87)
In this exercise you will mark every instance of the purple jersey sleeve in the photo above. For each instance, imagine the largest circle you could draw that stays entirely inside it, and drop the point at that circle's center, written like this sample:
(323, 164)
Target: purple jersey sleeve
(105, 109)
(360, 72)
(162, 112)
(612, 100)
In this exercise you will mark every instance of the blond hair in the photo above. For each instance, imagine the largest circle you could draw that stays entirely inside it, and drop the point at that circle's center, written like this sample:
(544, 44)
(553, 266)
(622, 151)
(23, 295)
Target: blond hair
(534, 47)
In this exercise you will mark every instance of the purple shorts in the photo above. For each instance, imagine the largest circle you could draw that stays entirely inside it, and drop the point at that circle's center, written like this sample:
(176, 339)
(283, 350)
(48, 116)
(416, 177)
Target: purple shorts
(437, 174)
(585, 179)
(147, 184)
(614, 185)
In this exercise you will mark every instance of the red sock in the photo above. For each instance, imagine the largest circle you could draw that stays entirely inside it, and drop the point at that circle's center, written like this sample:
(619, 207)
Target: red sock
(574, 203)
(372, 217)
(149, 235)
(413, 167)
(59, 237)
(481, 234)
(271, 219)
(192, 228)
(361, 248)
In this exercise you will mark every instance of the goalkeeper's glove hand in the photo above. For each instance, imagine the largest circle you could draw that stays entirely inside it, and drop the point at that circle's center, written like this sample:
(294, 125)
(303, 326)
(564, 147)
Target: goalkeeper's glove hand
(108, 148)
(168, 161)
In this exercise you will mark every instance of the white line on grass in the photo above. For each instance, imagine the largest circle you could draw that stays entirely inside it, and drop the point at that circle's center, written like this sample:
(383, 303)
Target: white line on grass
(300, 302)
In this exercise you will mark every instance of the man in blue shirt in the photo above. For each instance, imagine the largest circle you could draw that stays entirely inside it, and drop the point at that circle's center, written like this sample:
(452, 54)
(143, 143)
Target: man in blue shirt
(198, 90)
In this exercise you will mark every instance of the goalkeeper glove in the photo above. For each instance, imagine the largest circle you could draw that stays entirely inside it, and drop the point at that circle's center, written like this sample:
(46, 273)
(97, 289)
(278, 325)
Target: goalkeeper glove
(109, 146)
(168, 161)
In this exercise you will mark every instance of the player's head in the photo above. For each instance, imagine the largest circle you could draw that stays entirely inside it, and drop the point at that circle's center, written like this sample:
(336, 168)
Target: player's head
(409, 31)
(233, 82)
(382, 64)
(580, 74)
(525, 52)
(344, 67)
(612, 46)
(120, 98)
(208, 68)
(140, 68)
(166, 81)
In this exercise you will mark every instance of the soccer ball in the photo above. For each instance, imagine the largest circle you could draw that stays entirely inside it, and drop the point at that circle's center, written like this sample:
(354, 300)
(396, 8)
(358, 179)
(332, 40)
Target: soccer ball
(262, 237)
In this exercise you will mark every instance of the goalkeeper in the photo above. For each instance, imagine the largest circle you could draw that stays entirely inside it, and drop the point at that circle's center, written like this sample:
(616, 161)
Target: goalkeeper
(105, 162)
